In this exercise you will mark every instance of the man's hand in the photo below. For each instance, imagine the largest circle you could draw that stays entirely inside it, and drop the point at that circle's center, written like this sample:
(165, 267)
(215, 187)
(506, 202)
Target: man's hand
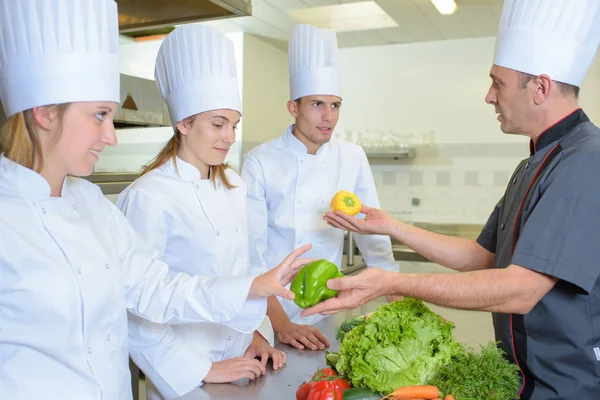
(302, 336)
(375, 222)
(392, 297)
(354, 291)
(262, 349)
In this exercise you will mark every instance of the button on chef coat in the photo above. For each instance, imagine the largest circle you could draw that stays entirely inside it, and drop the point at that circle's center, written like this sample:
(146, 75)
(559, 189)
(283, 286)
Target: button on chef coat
(557, 344)
(54, 319)
(290, 190)
(189, 219)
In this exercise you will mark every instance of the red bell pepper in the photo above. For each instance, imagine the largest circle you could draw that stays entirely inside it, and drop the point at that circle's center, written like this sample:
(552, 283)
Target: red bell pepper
(325, 385)
(304, 390)
(325, 390)
(323, 373)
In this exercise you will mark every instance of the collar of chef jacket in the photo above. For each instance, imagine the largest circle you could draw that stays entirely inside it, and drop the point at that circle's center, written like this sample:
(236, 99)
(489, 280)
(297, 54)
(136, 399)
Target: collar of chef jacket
(557, 131)
(297, 147)
(185, 171)
(25, 181)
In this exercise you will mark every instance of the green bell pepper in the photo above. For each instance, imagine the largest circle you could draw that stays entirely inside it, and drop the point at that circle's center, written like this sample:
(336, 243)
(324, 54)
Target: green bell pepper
(310, 285)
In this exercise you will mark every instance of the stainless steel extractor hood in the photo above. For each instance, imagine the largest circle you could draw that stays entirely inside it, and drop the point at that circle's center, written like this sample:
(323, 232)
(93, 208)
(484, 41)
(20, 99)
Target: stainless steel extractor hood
(141, 104)
(149, 17)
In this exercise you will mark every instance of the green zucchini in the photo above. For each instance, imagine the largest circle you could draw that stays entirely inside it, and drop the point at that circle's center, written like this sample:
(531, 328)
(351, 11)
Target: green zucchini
(360, 394)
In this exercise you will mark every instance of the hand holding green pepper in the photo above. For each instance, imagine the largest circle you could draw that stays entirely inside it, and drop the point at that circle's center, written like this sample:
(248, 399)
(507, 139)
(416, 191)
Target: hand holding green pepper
(310, 285)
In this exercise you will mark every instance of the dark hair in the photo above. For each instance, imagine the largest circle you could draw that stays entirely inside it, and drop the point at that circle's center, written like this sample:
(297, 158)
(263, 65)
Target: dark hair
(565, 88)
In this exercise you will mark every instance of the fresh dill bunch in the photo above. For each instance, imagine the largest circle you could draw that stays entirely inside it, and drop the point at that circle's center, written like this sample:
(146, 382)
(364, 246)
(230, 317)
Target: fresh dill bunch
(486, 375)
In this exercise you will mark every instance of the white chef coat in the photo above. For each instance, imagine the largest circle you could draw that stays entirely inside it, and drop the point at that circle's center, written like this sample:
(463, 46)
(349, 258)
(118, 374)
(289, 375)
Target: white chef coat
(70, 266)
(290, 190)
(187, 218)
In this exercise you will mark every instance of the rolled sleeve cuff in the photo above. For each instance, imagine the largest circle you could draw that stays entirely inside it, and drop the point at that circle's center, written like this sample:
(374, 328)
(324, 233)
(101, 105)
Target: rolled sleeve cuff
(568, 273)
(232, 307)
(180, 373)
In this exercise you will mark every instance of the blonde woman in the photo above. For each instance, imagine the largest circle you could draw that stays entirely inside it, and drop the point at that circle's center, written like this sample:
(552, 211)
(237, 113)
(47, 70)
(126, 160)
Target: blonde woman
(70, 263)
(191, 206)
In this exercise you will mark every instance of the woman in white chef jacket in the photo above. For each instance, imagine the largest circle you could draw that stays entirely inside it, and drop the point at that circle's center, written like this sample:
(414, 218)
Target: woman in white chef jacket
(70, 263)
(191, 206)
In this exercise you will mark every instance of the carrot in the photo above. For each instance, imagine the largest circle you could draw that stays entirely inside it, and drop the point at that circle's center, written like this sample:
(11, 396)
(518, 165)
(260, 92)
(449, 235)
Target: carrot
(414, 392)
(390, 397)
(449, 397)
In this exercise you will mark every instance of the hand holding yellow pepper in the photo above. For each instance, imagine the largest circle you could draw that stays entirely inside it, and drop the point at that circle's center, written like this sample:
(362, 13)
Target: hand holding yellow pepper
(346, 202)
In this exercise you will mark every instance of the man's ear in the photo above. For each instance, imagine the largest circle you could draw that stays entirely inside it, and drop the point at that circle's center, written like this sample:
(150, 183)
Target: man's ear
(292, 107)
(543, 86)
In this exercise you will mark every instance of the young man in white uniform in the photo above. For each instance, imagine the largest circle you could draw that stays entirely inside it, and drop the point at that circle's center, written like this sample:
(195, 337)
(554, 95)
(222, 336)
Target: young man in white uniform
(292, 179)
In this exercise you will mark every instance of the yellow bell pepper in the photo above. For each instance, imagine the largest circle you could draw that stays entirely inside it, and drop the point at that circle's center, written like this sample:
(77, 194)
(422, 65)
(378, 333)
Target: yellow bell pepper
(346, 202)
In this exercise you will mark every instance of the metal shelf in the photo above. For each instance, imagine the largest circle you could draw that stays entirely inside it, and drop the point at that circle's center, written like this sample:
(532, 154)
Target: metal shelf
(391, 153)
(112, 183)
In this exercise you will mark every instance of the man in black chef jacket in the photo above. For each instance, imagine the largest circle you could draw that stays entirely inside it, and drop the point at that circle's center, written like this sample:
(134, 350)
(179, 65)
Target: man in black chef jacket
(536, 264)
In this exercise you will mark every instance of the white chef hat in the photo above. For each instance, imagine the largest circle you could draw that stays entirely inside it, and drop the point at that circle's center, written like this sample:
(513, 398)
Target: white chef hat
(58, 51)
(313, 62)
(196, 72)
(554, 37)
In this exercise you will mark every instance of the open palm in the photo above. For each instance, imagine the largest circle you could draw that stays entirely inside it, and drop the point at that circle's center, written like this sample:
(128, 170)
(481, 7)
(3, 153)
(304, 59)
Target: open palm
(376, 221)
(273, 282)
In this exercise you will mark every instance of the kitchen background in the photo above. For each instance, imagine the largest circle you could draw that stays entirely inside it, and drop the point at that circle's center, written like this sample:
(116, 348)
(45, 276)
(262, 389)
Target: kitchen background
(414, 78)
(419, 85)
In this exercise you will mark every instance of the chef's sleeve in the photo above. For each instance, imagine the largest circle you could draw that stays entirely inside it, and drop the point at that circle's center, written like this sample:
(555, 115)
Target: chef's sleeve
(174, 367)
(488, 236)
(165, 358)
(152, 294)
(258, 218)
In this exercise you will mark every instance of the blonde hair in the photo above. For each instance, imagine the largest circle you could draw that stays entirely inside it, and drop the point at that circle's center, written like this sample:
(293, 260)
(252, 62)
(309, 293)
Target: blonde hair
(20, 143)
(170, 152)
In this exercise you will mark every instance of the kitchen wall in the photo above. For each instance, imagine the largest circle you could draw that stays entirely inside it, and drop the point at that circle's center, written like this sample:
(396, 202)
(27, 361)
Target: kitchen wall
(431, 96)
(266, 92)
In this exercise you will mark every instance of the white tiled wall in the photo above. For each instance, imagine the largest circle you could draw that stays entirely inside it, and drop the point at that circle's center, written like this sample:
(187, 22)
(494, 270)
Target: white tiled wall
(465, 191)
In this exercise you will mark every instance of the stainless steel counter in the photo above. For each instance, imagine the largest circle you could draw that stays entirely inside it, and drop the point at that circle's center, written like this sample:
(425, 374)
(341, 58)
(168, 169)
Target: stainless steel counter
(282, 384)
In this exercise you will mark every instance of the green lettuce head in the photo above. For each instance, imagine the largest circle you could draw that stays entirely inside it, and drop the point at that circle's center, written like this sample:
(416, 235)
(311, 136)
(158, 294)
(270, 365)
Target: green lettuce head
(404, 343)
